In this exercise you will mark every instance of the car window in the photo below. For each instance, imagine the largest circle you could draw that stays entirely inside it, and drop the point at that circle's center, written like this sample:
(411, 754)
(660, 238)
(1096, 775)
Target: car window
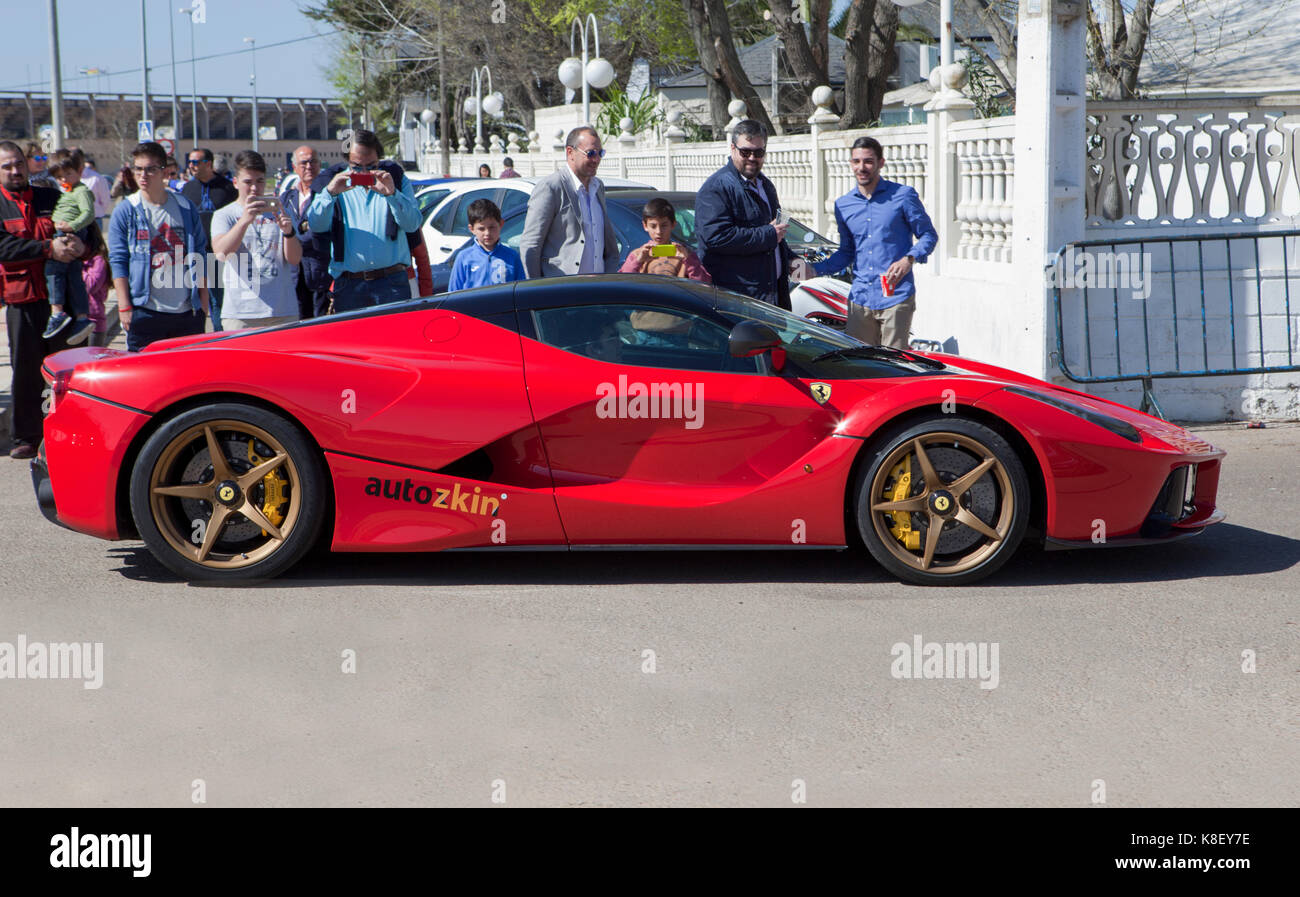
(627, 228)
(429, 199)
(460, 223)
(642, 335)
(512, 231)
(442, 221)
(513, 200)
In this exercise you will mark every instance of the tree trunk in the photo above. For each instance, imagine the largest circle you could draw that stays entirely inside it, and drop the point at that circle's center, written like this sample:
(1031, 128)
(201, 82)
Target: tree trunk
(1116, 47)
(869, 60)
(819, 28)
(798, 52)
(1004, 38)
(702, 36)
(882, 60)
(729, 64)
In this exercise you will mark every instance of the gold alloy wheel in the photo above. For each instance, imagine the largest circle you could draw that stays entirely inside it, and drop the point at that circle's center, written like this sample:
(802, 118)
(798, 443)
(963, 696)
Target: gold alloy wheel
(943, 503)
(235, 487)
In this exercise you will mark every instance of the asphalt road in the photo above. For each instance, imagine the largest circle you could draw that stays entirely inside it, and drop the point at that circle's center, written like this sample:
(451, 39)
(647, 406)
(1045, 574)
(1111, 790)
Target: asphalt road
(524, 676)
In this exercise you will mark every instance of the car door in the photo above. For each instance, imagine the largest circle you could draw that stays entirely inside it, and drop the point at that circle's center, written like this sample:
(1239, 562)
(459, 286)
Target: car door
(654, 434)
(448, 228)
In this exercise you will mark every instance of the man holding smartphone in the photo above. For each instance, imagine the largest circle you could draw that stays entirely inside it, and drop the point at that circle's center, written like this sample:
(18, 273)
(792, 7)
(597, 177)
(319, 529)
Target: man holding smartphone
(259, 250)
(366, 210)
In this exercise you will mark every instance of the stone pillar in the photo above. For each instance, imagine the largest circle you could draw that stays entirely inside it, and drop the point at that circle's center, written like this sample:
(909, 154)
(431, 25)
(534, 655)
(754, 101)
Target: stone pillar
(737, 110)
(672, 137)
(820, 120)
(947, 107)
(1050, 153)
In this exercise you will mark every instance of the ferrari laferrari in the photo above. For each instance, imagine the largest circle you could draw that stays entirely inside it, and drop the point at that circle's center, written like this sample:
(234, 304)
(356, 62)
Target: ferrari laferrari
(591, 413)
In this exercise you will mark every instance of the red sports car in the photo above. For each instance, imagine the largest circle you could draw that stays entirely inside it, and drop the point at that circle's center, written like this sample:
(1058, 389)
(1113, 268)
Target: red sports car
(596, 413)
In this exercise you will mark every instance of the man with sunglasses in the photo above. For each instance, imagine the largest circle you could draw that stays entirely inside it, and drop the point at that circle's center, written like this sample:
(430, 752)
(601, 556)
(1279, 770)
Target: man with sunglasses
(566, 230)
(156, 247)
(209, 190)
(740, 230)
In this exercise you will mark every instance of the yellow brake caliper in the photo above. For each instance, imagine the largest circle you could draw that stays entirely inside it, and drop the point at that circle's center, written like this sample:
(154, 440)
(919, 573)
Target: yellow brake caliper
(902, 528)
(273, 485)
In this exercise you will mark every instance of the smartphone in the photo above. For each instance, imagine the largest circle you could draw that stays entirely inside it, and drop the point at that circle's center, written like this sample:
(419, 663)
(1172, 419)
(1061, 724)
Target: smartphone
(363, 179)
(663, 250)
(271, 201)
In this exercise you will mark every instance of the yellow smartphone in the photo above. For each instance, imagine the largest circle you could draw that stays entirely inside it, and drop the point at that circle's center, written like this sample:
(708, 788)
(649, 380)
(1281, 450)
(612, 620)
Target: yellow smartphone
(663, 250)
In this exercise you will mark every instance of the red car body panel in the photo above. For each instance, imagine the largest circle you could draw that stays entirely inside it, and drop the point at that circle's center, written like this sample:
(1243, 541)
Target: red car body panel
(441, 430)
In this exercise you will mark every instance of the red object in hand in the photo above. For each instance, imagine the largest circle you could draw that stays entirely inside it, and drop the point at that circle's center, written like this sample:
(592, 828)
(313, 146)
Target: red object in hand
(885, 285)
(362, 179)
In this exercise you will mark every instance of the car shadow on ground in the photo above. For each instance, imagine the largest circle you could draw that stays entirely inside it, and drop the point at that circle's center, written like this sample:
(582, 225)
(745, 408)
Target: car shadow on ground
(1223, 550)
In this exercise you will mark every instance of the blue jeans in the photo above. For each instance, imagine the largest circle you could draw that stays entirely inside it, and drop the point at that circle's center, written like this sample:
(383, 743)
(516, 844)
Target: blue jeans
(351, 293)
(149, 326)
(63, 280)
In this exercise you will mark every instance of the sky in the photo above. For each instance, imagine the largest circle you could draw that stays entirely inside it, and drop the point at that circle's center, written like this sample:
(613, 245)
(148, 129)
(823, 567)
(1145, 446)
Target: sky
(95, 34)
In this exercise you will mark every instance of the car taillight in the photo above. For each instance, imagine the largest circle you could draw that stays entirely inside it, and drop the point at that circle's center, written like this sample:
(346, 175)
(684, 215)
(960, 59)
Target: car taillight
(59, 387)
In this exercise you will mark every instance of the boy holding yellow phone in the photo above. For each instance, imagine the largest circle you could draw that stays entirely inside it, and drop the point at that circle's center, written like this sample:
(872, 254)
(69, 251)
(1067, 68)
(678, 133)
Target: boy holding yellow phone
(661, 255)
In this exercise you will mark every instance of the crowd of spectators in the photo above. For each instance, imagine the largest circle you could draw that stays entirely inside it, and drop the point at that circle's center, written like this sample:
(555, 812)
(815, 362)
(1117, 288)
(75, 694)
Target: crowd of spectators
(188, 250)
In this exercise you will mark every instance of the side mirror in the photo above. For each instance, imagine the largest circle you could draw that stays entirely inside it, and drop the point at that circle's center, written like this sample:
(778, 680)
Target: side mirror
(749, 338)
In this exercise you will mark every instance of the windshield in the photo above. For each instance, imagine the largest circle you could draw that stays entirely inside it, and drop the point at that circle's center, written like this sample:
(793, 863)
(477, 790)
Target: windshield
(807, 343)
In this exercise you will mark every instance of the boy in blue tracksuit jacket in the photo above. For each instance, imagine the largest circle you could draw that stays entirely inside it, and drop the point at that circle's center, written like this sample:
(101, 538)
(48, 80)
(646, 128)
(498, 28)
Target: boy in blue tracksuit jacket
(486, 260)
(156, 248)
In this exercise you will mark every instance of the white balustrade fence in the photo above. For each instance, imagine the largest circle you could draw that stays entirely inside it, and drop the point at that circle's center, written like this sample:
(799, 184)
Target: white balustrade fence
(1200, 163)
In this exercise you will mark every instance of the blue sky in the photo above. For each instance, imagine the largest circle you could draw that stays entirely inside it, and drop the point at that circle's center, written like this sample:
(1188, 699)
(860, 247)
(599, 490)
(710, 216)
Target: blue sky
(95, 34)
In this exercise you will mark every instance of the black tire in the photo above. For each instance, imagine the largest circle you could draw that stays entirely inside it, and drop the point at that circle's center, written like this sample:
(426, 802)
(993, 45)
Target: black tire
(175, 483)
(978, 528)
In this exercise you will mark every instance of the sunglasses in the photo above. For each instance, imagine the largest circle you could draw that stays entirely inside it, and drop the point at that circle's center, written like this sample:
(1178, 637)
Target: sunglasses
(39, 158)
(374, 166)
(590, 154)
(189, 162)
(755, 153)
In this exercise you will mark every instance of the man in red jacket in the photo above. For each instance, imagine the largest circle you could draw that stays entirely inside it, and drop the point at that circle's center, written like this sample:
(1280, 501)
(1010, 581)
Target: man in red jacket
(27, 239)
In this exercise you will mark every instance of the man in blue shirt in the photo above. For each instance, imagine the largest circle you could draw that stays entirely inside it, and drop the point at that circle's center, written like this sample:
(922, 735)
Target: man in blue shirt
(485, 261)
(365, 212)
(878, 222)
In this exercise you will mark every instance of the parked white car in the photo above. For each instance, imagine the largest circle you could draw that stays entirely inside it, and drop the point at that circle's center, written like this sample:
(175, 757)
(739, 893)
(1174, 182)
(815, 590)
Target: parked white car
(446, 223)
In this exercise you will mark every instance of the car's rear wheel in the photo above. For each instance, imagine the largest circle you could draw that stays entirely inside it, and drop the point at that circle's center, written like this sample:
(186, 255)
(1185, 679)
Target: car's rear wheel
(943, 501)
(228, 492)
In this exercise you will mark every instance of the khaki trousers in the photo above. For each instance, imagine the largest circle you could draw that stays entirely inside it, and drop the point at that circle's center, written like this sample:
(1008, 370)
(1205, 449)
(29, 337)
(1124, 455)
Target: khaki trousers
(887, 327)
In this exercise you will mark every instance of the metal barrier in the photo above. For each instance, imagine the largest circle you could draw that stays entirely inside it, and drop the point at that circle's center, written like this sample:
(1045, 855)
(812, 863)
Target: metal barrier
(1114, 271)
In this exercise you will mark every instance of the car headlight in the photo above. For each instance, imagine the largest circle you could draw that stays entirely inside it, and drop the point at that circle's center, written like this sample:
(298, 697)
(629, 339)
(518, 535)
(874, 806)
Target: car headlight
(1115, 425)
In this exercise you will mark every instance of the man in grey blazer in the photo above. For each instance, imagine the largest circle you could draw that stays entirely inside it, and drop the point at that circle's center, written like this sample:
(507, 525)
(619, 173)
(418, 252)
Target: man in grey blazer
(566, 230)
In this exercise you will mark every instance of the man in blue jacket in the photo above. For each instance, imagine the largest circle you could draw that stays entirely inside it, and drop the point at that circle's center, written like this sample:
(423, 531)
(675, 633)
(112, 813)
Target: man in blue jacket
(157, 248)
(367, 225)
(739, 229)
(313, 283)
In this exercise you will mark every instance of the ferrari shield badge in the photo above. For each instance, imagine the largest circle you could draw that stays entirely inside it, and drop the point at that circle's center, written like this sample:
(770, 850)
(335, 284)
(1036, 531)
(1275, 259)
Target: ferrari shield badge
(821, 392)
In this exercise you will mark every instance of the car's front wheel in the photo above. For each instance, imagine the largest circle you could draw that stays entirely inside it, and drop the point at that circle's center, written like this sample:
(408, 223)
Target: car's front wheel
(228, 492)
(943, 501)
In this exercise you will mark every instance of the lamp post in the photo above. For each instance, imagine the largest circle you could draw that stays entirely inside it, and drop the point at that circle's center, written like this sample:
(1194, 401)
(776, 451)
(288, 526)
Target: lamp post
(144, 65)
(252, 82)
(949, 77)
(194, 12)
(492, 104)
(171, 41)
(575, 72)
(56, 79)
